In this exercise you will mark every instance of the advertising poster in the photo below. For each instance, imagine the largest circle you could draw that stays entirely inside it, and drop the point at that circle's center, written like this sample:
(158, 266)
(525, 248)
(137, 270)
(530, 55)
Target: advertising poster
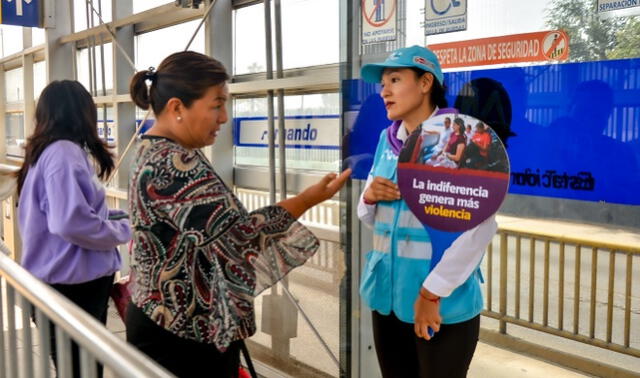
(453, 172)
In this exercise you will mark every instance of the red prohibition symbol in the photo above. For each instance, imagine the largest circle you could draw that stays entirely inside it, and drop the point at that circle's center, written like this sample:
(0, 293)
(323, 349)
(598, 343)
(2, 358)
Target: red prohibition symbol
(378, 3)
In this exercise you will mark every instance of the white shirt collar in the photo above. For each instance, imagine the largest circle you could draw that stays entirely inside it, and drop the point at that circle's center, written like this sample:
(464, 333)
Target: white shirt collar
(402, 131)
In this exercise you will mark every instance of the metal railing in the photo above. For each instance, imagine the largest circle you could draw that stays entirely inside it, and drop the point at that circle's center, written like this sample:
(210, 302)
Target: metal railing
(323, 221)
(319, 280)
(592, 302)
(577, 288)
(22, 297)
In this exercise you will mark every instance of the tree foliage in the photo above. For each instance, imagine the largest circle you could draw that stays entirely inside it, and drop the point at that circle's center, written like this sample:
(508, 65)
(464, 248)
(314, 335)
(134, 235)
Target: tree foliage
(628, 41)
(592, 38)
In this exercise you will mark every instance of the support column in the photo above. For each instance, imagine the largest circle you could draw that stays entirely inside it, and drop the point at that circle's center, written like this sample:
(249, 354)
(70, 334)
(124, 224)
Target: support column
(27, 82)
(124, 113)
(218, 39)
(60, 58)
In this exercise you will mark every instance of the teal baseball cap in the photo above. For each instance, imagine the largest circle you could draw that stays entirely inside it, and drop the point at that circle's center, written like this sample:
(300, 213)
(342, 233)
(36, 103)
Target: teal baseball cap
(406, 57)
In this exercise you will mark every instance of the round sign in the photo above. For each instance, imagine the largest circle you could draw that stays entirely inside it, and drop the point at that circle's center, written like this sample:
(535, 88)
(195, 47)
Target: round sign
(555, 45)
(378, 12)
(453, 172)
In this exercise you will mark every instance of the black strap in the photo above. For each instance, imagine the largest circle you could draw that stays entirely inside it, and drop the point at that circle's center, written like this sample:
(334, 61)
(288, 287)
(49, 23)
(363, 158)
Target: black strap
(247, 359)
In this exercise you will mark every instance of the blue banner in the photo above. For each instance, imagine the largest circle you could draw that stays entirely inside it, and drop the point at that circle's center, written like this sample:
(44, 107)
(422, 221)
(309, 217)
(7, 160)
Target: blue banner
(21, 12)
(577, 125)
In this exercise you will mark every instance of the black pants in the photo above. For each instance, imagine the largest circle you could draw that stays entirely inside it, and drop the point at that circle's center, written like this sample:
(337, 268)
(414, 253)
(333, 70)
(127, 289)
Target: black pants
(182, 357)
(401, 354)
(93, 297)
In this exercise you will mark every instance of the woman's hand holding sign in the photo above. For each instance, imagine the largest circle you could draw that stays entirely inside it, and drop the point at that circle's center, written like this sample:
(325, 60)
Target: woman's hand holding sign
(381, 189)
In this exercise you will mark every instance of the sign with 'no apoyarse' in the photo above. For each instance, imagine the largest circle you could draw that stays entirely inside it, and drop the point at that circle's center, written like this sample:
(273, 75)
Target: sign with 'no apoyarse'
(378, 21)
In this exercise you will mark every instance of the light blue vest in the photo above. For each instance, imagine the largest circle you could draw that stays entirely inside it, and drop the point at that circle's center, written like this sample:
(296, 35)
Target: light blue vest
(401, 258)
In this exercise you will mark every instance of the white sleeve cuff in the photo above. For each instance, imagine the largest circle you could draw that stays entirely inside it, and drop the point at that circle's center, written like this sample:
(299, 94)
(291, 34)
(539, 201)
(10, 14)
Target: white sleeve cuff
(366, 212)
(438, 285)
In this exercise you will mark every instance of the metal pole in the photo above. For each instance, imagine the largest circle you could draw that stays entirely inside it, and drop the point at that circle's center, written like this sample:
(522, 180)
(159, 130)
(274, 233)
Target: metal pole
(204, 18)
(503, 282)
(27, 345)
(271, 124)
(315, 331)
(281, 133)
(105, 125)
(113, 36)
(90, 66)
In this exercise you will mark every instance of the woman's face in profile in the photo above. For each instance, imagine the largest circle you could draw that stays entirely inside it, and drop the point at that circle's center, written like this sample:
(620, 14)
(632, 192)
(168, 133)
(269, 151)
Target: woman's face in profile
(203, 119)
(402, 92)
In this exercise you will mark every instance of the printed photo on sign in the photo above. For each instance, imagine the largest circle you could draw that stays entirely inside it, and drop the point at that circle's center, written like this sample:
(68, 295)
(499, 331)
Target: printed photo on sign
(453, 172)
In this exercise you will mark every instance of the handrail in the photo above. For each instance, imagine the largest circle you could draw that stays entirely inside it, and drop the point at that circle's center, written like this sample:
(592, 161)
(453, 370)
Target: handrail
(571, 233)
(87, 332)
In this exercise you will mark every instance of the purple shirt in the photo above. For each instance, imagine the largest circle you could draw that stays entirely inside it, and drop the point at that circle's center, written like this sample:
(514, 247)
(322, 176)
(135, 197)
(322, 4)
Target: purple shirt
(66, 236)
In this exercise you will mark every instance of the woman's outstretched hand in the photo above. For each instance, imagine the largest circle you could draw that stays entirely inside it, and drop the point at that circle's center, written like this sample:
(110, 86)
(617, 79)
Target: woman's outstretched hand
(324, 189)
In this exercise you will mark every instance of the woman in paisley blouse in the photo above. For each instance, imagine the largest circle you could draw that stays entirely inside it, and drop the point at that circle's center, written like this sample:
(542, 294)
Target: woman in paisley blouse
(199, 258)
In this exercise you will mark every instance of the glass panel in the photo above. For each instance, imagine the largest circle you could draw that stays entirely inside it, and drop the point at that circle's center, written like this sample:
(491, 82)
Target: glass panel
(106, 123)
(307, 41)
(151, 48)
(37, 36)
(283, 337)
(11, 39)
(14, 85)
(249, 47)
(84, 73)
(143, 5)
(14, 128)
(39, 78)
(590, 38)
(486, 19)
(312, 129)
(140, 114)
(83, 10)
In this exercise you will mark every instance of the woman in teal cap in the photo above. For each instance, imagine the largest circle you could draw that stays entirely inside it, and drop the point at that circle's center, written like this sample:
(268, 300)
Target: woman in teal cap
(425, 321)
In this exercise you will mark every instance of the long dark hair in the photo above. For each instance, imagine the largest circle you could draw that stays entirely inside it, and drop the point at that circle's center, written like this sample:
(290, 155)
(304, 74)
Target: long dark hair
(66, 111)
(186, 75)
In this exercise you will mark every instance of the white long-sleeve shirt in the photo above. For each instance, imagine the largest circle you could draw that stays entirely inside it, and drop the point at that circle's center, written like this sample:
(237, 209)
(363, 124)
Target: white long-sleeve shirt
(459, 260)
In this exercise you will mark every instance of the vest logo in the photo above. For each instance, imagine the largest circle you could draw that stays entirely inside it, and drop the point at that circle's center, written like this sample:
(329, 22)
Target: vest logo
(389, 155)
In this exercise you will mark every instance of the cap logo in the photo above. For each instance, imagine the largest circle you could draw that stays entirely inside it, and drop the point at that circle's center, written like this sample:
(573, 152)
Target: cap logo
(423, 61)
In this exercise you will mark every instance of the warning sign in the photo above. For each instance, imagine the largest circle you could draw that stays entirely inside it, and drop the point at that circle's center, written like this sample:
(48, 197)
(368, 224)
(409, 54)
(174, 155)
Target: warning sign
(527, 47)
(378, 21)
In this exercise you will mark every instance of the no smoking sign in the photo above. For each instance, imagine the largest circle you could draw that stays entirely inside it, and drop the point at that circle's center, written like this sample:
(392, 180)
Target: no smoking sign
(378, 20)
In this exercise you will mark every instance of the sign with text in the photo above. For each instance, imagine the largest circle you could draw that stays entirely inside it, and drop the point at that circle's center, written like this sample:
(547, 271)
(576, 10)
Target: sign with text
(314, 132)
(21, 12)
(567, 119)
(527, 47)
(453, 172)
(445, 16)
(617, 8)
(378, 21)
(109, 137)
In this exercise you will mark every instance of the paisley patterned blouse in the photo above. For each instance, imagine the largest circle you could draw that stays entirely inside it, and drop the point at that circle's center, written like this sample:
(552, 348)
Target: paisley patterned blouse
(199, 258)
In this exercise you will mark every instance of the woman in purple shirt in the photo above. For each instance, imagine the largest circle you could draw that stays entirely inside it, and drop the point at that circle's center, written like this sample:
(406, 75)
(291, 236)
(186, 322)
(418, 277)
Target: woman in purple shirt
(69, 236)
